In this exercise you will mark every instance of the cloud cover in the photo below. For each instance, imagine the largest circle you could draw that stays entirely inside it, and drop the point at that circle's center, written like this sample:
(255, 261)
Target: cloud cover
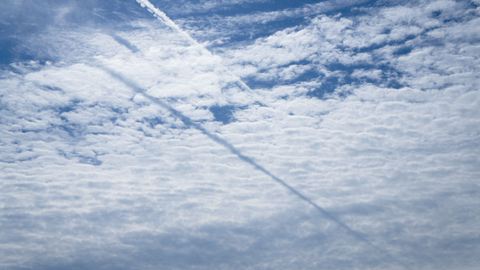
(373, 114)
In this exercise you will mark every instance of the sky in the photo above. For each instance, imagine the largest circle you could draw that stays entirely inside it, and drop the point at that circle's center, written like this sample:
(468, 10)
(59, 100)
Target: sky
(242, 134)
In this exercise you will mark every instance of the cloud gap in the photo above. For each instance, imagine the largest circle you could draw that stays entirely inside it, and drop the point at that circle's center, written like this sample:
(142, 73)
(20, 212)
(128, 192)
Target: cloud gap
(223, 114)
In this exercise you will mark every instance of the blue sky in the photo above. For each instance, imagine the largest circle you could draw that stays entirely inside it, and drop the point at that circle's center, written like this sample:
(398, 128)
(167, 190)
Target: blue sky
(243, 134)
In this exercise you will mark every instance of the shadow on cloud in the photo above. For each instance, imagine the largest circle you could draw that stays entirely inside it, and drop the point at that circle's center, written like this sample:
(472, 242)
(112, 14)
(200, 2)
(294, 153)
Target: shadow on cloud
(190, 123)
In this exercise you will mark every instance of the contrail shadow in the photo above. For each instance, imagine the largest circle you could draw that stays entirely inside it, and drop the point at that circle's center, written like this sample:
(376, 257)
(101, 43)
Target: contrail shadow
(123, 42)
(187, 121)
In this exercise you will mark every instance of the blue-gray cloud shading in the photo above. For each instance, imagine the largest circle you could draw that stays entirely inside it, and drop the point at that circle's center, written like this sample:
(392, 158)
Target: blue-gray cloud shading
(124, 42)
(292, 135)
(188, 122)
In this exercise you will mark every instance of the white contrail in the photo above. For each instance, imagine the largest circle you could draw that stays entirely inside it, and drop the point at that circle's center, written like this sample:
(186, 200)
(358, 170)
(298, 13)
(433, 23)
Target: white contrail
(164, 18)
(189, 122)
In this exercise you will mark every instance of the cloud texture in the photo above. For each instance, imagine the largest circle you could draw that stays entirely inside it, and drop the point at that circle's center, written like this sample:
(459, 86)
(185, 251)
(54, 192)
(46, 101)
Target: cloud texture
(371, 111)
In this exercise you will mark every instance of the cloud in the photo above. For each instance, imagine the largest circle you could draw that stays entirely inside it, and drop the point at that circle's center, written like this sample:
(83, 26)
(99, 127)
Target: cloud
(219, 30)
(187, 7)
(91, 169)
(336, 49)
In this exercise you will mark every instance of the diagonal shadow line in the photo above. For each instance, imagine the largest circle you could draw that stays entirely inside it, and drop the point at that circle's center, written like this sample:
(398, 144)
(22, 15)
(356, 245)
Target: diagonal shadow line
(189, 122)
(134, 49)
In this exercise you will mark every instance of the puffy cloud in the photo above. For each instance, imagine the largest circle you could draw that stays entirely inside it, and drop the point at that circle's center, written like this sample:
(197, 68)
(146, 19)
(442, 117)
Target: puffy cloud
(374, 117)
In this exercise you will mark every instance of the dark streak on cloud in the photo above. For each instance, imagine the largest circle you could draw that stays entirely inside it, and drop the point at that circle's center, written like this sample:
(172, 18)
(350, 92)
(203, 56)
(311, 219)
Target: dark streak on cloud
(188, 122)
(124, 42)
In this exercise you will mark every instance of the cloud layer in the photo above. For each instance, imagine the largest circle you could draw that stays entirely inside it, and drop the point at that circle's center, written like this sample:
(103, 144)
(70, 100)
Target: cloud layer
(369, 111)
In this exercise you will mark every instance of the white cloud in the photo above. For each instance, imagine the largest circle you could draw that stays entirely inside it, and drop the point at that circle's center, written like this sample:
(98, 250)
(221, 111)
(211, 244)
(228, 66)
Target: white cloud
(209, 5)
(92, 169)
(216, 29)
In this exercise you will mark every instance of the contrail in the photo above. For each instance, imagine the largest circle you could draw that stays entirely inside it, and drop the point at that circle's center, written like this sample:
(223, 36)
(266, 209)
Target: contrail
(164, 18)
(190, 123)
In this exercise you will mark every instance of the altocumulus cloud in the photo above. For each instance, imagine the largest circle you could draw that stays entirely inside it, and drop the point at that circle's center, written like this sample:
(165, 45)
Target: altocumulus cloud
(369, 110)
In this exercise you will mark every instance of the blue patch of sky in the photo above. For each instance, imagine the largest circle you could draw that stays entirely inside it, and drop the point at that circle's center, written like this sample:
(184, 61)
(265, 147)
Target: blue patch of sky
(252, 31)
(119, 113)
(309, 75)
(403, 50)
(254, 83)
(74, 130)
(223, 114)
(11, 51)
(153, 122)
(261, 30)
(376, 46)
(6, 53)
(170, 7)
(268, 6)
(103, 12)
(328, 86)
(68, 108)
(388, 77)
(90, 160)
(436, 14)
(258, 30)
(20, 21)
